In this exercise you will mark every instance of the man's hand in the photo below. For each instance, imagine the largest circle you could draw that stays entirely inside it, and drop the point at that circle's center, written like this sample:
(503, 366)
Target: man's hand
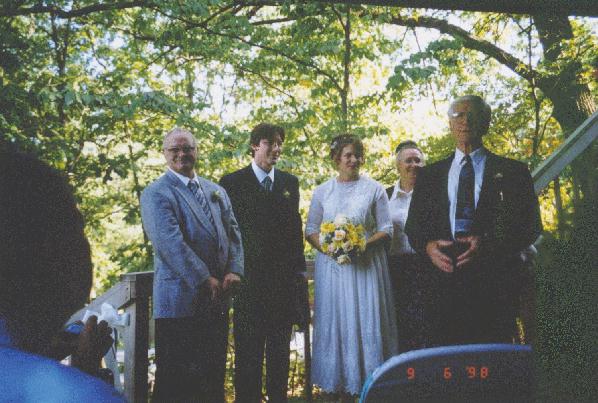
(471, 252)
(92, 344)
(213, 287)
(231, 283)
(438, 257)
(301, 278)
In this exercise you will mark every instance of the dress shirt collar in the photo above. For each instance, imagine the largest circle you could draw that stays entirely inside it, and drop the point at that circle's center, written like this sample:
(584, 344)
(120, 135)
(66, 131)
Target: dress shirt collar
(398, 192)
(184, 178)
(476, 156)
(260, 174)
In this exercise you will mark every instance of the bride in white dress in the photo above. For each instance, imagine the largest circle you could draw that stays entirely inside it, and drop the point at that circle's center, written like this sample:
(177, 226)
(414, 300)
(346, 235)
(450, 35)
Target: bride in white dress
(354, 318)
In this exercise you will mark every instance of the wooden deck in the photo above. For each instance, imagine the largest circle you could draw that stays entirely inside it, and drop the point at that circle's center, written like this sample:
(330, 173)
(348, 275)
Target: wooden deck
(133, 295)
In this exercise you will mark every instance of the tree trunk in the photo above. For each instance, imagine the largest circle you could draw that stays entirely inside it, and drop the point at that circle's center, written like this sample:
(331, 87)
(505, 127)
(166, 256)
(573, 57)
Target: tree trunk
(571, 99)
(346, 72)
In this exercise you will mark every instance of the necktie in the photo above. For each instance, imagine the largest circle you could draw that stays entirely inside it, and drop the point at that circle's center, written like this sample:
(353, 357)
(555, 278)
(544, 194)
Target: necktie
(201, 198)
(267, 184)
(465, 199)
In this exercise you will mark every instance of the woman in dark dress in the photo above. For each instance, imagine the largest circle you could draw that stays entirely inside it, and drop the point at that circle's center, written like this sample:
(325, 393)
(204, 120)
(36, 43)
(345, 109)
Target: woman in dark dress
(407, 279)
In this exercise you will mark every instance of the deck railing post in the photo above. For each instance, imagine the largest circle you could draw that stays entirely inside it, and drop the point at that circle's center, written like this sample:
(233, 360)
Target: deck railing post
(307, 358)
(136, 337)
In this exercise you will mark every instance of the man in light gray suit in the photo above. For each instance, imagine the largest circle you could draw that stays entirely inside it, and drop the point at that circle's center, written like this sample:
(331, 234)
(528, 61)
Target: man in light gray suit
(198, 261)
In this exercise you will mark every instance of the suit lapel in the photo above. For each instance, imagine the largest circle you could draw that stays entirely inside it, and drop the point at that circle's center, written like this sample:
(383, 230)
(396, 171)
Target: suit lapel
(214, 209)
(192, 203)
(443, 196)
(487, 199)
(251, 179)
(254, 184)
(278, 182)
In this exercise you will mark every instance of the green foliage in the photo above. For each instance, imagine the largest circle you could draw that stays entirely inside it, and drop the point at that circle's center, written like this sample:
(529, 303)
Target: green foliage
(442, 55)
(94, 94)
(567, 315)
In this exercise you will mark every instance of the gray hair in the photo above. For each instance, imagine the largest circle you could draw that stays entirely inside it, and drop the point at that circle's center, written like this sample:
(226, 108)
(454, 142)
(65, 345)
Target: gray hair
(482, 106)
(178, 130)
(406, 145)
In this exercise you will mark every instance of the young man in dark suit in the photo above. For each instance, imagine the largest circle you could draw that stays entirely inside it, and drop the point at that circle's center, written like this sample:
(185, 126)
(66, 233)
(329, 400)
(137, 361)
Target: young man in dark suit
(266, 203)
(470, 217)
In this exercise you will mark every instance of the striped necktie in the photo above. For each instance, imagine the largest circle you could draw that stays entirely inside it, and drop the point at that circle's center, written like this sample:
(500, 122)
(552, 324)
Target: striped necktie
(201, 198)
(465, 199)
(267, 184)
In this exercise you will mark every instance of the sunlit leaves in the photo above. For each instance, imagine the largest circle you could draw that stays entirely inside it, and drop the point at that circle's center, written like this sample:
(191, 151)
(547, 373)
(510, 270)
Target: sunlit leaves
(94, 95)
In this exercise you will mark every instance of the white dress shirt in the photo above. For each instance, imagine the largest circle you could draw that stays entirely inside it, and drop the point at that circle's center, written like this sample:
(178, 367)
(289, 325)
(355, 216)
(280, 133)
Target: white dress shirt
(478, 157)
(261, 174)
(399, 208)
(184, 178)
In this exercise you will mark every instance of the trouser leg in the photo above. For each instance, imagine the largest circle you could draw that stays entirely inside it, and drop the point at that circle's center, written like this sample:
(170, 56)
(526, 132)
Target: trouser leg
(212, 355)
(249, 353)
(176, 367)
(277, 361)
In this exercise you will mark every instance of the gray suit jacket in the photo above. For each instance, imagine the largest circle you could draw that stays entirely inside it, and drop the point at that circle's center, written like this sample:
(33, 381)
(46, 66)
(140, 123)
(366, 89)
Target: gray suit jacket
(187, 248)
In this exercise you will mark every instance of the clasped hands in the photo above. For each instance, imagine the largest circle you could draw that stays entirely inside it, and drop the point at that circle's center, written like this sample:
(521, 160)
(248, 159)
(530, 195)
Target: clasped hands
(438, 251)
(217, 289)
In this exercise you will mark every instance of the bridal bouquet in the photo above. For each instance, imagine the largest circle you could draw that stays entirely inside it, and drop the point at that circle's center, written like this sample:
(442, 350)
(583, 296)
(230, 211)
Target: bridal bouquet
(341, 239)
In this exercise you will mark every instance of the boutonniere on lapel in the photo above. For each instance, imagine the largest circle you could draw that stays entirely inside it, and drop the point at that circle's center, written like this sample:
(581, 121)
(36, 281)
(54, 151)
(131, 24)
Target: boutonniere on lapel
(501, 214)
(498, 179)
(286, 194)
(216, 196)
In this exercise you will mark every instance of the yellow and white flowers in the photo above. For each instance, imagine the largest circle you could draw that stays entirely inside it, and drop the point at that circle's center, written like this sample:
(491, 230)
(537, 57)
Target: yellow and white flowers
(341, 239)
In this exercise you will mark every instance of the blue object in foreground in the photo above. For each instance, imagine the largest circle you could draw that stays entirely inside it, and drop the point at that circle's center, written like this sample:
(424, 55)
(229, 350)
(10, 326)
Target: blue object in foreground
(30, 378)
(476, 373)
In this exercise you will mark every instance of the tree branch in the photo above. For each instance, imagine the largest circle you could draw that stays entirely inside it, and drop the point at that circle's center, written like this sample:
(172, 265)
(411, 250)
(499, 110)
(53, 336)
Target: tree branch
(253, 12)
(469, 42)
(428, 81)
(294, 102)
(338, 16)
(8, 11)
(221, 11)
(272, 21)
(309, 64)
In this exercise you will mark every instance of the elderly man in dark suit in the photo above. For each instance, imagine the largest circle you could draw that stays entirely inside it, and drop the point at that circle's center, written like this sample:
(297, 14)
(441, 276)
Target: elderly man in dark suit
(266, 203)
(470, 216)
(198, 258)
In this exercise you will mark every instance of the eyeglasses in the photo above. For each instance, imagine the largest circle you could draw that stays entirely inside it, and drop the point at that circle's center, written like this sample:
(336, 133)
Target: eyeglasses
(268, 143)
(459, 115)
(176, 150)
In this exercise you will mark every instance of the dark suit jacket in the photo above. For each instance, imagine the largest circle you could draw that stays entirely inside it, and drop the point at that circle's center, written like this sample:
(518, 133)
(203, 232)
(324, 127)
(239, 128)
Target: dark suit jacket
(272, 237)
(506, 226)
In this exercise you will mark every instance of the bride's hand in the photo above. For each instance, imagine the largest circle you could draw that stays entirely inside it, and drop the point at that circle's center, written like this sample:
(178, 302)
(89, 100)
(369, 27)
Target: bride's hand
(314, 241)
(378, 237)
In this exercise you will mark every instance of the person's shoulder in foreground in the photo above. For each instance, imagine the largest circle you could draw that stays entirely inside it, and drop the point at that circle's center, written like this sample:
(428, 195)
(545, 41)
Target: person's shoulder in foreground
(32, 378)
(45, 276)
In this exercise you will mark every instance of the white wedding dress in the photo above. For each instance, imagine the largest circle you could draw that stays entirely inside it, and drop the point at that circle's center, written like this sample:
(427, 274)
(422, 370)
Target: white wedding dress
(354, 318)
